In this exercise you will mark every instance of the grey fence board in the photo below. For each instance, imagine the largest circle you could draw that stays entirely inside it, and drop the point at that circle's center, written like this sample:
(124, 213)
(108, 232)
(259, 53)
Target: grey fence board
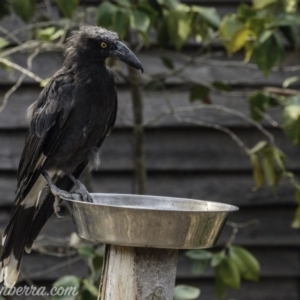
(14, 115)
(46, 64)
(187, 149)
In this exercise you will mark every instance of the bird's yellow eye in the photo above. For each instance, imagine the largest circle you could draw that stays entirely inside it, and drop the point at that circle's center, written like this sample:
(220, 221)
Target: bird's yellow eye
(103, 45)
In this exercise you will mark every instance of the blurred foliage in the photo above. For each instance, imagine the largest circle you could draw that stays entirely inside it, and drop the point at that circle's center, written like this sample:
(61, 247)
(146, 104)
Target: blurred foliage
(87, 287)
(230, 265)
(261, 31)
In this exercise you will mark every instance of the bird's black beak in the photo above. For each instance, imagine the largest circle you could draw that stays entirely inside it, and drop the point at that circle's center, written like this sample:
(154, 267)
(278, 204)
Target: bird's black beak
(124, 54)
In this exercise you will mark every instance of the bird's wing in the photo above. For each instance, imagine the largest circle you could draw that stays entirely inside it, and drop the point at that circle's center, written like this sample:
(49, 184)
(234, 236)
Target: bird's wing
(52, 107)
(46, 210)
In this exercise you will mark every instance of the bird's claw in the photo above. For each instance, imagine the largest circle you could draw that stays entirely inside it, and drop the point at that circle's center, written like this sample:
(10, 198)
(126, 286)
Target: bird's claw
(81, 190)
(84, 194)
(56, 207)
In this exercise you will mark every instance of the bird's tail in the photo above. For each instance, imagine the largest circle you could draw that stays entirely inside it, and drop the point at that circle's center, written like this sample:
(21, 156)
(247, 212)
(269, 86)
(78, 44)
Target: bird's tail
(16, 233)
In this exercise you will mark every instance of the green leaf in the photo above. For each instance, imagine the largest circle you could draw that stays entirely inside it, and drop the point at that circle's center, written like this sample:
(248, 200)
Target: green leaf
(291, 35)
(268, 50)
(200, 266)
(258, 147)
(121, 22)
(144, 37)
(259, 102)
(67, 7)
(3, 43)
(285, 20)
(90, 287)
(297, 193)
(296, 221)
(140, 21)
(125, 3)
(269, 170)
(228, 28)
(163, 37)
(45, 34)
(167, 62)
(199, 254)
(217, 258)
(239, 40)
(86, 251)
(279, 158)
(291, 119)
(179, 26)
(171, 4)
(24, 8)
(105, 13)
(290, 81)
(210, 14)
(228, 272)
(147, 9)
(221, 86)
(259, 4)
(290, 6)
(200, 92)
(220, 288)
(245, 12)
(66, 282)
(257, 171)
(248, 265)
(185, 292)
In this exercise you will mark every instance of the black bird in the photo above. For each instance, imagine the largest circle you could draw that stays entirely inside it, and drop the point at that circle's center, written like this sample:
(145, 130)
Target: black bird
(68, 123)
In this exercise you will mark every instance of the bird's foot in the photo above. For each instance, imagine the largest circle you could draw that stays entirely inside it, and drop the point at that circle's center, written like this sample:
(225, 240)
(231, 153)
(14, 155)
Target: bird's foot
(58, 194)
(81, 190)
(84, 194)
(56, 207)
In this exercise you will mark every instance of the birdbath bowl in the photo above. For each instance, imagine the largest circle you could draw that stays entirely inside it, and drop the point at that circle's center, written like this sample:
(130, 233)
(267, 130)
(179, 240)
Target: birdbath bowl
(143, 235)
(150, 221)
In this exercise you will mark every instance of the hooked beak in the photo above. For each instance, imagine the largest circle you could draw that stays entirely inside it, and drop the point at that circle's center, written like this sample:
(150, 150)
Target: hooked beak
(124, 54)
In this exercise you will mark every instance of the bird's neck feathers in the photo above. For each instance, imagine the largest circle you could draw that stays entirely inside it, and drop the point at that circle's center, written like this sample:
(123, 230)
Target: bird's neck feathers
(77, 59)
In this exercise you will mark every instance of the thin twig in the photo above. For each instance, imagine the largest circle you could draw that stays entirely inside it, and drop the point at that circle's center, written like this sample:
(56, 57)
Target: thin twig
(21, 69)
(230, 111)
(19, 81)
(235, 230)
(268, 118)
(281, 91)
(10, 35)
(55, 267)
(38, 25)
(11, 91)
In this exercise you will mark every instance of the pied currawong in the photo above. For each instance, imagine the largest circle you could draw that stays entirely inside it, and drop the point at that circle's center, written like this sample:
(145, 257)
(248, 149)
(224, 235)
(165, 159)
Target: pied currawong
(68, 123)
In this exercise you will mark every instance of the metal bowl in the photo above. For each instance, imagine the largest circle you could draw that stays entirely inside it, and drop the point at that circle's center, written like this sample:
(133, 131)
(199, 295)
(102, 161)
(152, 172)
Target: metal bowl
(149, 221)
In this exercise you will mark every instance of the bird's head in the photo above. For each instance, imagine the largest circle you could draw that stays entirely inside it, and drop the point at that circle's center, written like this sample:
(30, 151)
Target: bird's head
(97, 43)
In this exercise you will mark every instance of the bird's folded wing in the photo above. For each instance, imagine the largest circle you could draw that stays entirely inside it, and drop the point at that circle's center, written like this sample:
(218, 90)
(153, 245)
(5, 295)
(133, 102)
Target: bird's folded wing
(52, 108)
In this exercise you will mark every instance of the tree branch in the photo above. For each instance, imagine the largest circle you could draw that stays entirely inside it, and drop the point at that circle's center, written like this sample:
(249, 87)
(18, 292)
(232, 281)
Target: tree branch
(20, 69)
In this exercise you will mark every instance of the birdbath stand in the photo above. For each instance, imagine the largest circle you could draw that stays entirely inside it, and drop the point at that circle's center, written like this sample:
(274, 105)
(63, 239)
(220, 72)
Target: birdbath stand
(142, 236)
